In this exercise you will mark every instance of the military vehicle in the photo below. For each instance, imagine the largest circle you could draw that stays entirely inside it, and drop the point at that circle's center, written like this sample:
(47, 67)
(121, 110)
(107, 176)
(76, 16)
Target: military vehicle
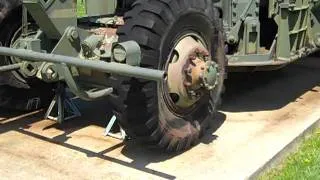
(161, 63)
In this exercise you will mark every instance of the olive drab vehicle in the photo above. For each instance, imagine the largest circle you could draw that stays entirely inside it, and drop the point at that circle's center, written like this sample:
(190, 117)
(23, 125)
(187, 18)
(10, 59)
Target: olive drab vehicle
(161, 63)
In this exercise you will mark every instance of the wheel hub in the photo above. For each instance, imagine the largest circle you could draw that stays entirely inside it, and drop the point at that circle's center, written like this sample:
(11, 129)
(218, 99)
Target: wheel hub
(191, 72)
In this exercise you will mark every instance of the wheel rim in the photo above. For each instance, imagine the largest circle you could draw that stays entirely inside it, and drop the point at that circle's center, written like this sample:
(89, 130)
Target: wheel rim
(16, 35)
(191, 74)
(14, 43)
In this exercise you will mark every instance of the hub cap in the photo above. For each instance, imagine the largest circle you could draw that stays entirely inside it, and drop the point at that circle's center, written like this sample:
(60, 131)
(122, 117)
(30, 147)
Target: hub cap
(191, 72)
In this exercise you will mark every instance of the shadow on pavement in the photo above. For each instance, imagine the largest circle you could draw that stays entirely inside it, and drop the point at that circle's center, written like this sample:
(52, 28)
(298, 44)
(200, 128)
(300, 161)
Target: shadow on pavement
(259, 91)
(94, 115)
(21, 125)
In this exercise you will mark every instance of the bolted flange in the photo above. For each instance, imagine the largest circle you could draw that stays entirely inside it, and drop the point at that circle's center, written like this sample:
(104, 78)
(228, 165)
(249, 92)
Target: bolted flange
(201, 72)
(29, 69)
(191, 72)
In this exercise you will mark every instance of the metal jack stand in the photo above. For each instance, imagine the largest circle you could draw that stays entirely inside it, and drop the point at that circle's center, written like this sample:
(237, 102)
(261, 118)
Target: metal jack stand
(67, 109)
(111, 123)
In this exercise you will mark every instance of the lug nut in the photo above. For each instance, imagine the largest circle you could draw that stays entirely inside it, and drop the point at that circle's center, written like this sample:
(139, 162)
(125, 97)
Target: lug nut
(192, 57)
(201, 75)
(192, 93)
(188, 70)
(187, 83)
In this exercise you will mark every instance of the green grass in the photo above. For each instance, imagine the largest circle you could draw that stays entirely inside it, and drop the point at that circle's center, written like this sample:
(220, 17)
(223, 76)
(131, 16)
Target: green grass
(300, 165)
(81, 11)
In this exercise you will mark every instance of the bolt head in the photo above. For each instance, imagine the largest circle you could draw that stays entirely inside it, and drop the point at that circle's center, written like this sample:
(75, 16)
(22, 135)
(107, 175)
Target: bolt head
(50, 71)
(74, 34)
(187, 83)
(192, 57)
(51, 74)
(192, 93)
(231, 39)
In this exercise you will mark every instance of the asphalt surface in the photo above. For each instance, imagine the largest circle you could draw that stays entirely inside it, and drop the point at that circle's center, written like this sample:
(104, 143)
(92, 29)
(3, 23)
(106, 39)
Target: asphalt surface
(261, 114)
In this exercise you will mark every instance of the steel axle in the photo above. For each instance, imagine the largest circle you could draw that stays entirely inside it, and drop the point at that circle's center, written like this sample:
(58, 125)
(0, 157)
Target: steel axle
(107, 67)
(10, 67)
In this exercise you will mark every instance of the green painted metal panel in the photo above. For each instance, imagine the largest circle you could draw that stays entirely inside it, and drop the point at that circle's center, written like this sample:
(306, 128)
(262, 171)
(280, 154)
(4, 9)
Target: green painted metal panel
(52, 16)
(100, 7)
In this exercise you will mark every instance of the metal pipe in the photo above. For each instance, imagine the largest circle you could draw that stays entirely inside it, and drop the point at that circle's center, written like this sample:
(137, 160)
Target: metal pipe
(10, 67)
(107, 67)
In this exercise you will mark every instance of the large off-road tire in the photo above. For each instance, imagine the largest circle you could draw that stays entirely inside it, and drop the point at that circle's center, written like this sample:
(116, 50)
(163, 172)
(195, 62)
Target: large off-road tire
(142, 106)
(17, 92)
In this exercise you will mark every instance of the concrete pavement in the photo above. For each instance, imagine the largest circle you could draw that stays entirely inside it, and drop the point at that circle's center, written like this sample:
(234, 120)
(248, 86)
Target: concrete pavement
(261, 114)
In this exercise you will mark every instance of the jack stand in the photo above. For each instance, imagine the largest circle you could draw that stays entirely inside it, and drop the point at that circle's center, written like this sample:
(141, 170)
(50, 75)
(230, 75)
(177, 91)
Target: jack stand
(65, 106)
(107, 132)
